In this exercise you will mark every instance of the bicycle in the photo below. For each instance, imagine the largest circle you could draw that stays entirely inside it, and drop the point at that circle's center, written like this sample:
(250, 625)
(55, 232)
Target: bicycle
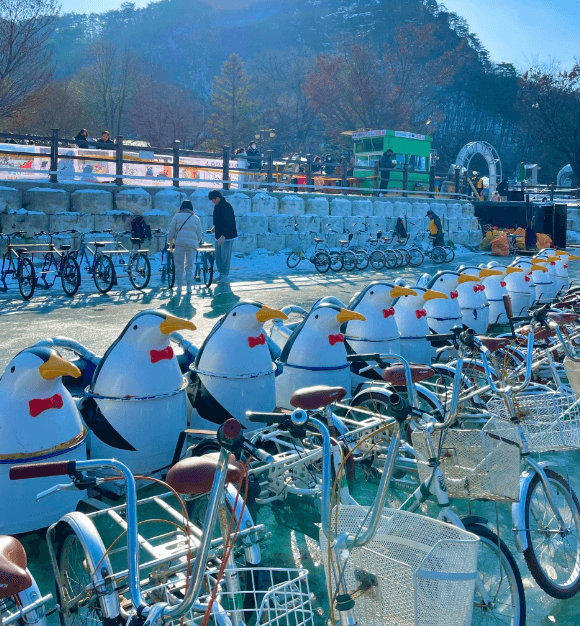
(167, 267)
(317, 255)
(61, 264)
(204, 264)
(371, 253)
(17, 262)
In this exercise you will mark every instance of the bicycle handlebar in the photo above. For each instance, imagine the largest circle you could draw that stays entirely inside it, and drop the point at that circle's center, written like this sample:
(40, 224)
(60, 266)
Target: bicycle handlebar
(42, 470)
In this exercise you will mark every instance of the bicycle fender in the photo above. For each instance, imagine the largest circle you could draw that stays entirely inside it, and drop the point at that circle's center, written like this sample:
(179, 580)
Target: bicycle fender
(519, 509)
(467, 520)
(252, 552)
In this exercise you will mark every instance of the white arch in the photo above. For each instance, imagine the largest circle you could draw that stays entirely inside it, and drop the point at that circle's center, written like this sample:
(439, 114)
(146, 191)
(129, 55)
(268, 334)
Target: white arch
(489, 153)
(565, 176)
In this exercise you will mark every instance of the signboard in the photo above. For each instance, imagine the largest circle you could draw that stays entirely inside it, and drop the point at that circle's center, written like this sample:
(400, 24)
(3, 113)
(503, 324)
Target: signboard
(402, 133)
(364, 134)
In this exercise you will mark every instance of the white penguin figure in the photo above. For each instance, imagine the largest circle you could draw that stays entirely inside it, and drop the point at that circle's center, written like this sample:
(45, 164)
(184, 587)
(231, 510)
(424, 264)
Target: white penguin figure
(473, 301)
(493, 279)
(563, 281)
(443, 315)
(543, 285)
(233, 371)
(39, 421)
(520, 287)
(136, 405)
(549, 262)
(315, 354)
(413, 326)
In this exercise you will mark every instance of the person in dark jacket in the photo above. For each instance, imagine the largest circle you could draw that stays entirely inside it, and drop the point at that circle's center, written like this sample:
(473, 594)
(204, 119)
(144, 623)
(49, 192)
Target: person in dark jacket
(225, 231)
(502, 189)
(82, 138)
(531, 237)
(385, 168)
(317, 165)
(328, 169)
(105, 142)
(435, 229)
(253, 154)
(400, 230)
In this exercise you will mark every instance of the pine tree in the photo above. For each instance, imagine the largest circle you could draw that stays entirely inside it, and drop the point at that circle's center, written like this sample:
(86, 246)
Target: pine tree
(234, 113)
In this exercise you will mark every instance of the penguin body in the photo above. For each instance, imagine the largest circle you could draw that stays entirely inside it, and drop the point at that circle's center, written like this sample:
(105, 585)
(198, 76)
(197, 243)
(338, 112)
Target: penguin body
(493, 278)
(544, 286)
(233, 372)
(315, 353)
(557, 268)
(136, 405)
(473, 300)
(39, 421)
(443, 315)
(520, 287)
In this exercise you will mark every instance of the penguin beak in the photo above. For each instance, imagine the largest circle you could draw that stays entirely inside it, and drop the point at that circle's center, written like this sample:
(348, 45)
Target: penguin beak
(539, 260)
(171, 323)
(398, 292)
(486, 272)
(573, 257)
(345, 315)
(57, 366)
(551, 259)
(266, 313)
(513, 270)
(538, 268)
(433, 295)
(467, 278)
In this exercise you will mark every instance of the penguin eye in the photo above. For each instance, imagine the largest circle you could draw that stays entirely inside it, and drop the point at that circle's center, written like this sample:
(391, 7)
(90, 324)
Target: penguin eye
(372, 293)
(234, 314)
(12, 369)
(316, 317)
(135, 327)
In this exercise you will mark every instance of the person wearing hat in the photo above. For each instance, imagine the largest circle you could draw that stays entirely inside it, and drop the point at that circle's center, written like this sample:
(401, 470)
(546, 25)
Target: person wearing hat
(184, 235)
(435, 229)
(224, 227)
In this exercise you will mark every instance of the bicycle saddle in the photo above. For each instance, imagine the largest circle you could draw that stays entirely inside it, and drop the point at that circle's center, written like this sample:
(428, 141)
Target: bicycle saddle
(310, 398)
(135, 240)
(13, 575)
(371, 240)
(194, 475)
(563, 318)
(395, 375)
(317, 240)
(100, 244)
(20, 250)
(343, 242)
(65, 247)
(494, 343)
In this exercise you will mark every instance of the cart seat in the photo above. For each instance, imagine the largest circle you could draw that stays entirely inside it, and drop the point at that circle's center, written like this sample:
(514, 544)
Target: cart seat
(316, 397)
(318, 240)
(14, 577)
(395, 375)
(101, 244)
(494, 343)
(194, 475)
(65, 247)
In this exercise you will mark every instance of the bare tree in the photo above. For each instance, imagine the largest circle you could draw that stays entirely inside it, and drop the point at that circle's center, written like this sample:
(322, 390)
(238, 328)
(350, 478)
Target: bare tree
(25, 58)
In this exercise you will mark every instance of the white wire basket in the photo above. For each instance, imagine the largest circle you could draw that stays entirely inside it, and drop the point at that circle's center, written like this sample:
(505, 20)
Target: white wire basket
(476, 465)
(549, 421)
(417, 571)
(260, 596)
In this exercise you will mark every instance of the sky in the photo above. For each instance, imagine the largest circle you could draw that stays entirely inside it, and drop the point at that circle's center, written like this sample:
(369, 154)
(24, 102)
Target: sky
(513, 31)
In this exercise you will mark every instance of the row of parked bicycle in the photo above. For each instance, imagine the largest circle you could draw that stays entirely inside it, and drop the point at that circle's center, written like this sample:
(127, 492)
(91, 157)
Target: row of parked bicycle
(105, 260)
(379, 252)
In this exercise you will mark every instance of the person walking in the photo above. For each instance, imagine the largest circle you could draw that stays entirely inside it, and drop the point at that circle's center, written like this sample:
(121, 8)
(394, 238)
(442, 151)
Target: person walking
(435, 229)
(184, 235)
(225, 231)
(385, 168)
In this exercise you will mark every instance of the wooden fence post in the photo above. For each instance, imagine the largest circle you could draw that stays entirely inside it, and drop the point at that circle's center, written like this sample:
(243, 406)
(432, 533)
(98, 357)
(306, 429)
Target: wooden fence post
(309, 182)
(53, 178)
(175, 162)
(119, 160)
(269, 176)
(226, 168)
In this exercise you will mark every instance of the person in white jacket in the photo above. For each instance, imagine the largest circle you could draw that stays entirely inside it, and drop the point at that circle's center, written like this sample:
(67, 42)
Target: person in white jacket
(185, 235)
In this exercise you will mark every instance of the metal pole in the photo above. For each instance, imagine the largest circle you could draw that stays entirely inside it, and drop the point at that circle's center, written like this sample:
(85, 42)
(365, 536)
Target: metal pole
(457, 180)
(405, 176)
(344, 164)
(270, 157)
(53, 178)
(432, 177)
(176, 145)
(309, 172)
(119, 160)
(376, 178)
(226, 168)
(551, 192)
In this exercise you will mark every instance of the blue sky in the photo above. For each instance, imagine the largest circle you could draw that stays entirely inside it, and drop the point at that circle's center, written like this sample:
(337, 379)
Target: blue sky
(514, 31)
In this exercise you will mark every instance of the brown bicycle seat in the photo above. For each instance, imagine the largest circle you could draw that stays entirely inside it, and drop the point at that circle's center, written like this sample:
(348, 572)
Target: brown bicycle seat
(563, 318)
(21, 250)
(13, 575)
(395, 375)
(65, 247)
(371, 240)
(318, 240)
(539, 335)
(494, 343)
(311, 398)
(194, 476)
(343, 242)
(101, 244)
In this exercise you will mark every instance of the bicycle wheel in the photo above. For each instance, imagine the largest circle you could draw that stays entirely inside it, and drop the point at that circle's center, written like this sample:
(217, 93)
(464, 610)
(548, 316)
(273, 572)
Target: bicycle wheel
(416, 257)
(170, 270)
(391, 258)
(377, 401)
(450, 254)
(438, 254)
(139, 270)
(553, 553)
(26, 278)
(349, 261)
(336, 261)
(292, 260)
(377, 260)
(362, 259)
(400, 260)
(207, 269)
(104, 274)
(500, 576)
(322, 262)
(70, 276)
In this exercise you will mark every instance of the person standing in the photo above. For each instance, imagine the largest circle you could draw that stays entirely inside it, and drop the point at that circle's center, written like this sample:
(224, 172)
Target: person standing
(225, 231)
(435, 229)
(82, 138)
(385, 168)
(184, 235)
(105, 142)
(502, 189)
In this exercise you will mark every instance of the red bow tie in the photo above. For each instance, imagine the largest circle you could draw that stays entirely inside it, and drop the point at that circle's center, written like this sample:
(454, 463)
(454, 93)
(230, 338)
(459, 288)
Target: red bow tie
(552, 263)
(477, 288)
(502, 283)
(260, 340)
(454, 295)
(565, 266)
(161, 355)
(332, 339)
(420, 313)
(389, 312)
(527, 279)
(38, 405)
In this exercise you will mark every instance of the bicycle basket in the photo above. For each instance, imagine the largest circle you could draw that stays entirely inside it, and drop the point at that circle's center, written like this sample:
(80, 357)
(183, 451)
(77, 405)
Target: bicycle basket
(549, 421)
(416, 571)
(477, 465)
(272, 597)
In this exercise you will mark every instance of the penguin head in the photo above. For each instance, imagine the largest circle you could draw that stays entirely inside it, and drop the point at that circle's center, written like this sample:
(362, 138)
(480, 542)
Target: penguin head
(250, 317)
(445, 281)
(327, 319)
(380, 295)
(150, 330)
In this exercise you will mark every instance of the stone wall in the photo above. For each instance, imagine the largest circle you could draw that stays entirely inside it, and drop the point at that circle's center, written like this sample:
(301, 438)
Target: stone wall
(273, 221)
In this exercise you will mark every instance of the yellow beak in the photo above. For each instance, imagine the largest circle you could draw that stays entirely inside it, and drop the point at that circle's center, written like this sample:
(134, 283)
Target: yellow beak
(574, 257)
(57, 366)
(467, 278)
(551, 259)
(489, 272)
(561, 252)
(345, 315)
(433, 295)
(538, 268)
(171, 323)
(398, 292)
(513, 270)
(266, 313)
(539, 260)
